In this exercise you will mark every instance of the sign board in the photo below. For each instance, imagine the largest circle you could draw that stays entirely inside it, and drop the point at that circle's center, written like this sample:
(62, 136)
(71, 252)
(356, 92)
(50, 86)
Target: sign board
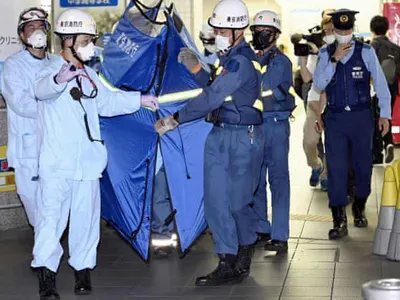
(9, 40)
(87, 3)
(392, 12)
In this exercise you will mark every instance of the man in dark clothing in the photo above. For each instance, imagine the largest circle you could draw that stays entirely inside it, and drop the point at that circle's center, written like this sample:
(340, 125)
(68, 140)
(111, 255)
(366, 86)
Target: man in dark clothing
(389, 57)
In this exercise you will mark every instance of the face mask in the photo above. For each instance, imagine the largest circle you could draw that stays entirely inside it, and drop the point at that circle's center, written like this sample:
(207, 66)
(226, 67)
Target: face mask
(211, 48)
(262, 39)
(86, 53)
(222, 43)
(343, 39)
(329, 39)
(38, 39)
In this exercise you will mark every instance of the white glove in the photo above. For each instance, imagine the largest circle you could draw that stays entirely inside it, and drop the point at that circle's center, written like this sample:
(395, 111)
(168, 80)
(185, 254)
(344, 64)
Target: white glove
(149, 101)
(188, 58)
(163, 125)
(66, 73)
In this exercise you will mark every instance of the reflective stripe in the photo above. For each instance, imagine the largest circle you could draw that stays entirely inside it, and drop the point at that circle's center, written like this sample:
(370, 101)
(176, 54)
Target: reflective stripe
(256, 65)
(270, 92)
(267, 93)
(108, 84)
(101, 57)
(219, 70)
(229, 98)
(217, 63)
(292, 92)
(171, 242)
(179, 96)
(264, 69)
(259, 105)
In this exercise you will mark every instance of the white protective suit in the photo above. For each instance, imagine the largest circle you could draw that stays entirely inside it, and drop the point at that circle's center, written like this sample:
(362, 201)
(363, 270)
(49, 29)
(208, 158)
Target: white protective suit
(70, 166)
(17, 81)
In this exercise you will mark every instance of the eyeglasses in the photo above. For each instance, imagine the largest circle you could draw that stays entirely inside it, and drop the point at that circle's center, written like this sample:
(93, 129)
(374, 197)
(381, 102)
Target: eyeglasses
(34, 14)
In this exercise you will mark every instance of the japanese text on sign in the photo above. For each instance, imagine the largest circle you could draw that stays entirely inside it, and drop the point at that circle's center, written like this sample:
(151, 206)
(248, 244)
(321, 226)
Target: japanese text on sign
(85, 3)
(9, 40)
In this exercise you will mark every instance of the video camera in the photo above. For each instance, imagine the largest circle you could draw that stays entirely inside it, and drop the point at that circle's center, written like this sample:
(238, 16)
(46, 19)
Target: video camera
(315, 36)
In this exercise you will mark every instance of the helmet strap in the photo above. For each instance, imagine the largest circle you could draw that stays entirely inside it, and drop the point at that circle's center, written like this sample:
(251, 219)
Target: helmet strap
(73, 49)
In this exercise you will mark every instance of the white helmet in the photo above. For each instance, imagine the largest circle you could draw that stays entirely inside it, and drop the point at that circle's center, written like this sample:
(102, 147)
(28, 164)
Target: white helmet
(33, 14)
(230, 14)
(207, 32)
(267, 18)
(75, 21)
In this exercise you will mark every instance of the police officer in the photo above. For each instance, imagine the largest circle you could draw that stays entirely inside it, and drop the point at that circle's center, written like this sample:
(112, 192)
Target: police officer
(234, 147)
(344, 71)
(278, 105)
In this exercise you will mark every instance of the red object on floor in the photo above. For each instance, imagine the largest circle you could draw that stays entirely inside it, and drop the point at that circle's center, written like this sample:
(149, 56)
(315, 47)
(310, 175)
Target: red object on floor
(396, 120)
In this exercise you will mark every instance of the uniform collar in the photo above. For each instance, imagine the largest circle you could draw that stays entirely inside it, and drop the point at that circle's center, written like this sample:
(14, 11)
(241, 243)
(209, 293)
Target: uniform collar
(236, 50)
(264, 58)
(28, 53)
(34, 60)
(381, 38)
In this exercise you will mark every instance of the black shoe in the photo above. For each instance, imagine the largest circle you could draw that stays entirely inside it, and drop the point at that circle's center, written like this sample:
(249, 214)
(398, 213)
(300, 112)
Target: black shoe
(278, 246)
(263, 237)
(389, 154)
(47, 284)
(339, 229)
(244, 259)
(358, 209)
(227, 272)
(83, 285)
(33, 270)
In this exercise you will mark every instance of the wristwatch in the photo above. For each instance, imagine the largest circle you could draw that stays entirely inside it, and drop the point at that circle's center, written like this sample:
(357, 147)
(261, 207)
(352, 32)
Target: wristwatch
(333, 60)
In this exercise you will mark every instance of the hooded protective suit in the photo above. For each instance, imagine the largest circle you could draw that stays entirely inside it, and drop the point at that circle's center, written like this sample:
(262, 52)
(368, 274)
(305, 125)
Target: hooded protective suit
(17, 81)
(71, 165)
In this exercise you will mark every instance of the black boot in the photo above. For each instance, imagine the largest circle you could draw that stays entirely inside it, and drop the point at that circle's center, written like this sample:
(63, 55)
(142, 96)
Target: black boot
(227, 272)
(277, 246)
(47, 284)
(83, 285)
(244, 259)
(339, 223)
(358, 209)
(263, 237)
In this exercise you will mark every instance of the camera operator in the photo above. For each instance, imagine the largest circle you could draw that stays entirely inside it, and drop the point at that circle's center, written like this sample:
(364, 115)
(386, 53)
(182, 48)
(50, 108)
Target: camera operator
(312, 142)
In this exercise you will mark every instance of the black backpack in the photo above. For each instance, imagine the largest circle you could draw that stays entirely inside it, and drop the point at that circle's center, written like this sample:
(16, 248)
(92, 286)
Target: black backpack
(389, 57)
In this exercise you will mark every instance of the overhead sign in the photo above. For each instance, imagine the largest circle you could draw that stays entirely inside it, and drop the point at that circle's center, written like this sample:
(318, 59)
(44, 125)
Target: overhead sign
(87, 3)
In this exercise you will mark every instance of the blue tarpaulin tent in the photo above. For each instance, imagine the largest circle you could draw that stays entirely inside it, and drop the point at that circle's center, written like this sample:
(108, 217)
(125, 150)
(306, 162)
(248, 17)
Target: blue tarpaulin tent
(142, 55)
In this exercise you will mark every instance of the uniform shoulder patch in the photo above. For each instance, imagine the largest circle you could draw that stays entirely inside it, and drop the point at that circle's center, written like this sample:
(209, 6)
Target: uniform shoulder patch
(232, 66)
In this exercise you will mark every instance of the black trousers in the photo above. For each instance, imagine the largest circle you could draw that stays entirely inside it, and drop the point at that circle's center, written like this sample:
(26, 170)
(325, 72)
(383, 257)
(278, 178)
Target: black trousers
(380, 143)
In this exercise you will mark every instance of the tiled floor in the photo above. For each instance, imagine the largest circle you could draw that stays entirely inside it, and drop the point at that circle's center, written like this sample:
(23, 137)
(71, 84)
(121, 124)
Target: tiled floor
(315, 268)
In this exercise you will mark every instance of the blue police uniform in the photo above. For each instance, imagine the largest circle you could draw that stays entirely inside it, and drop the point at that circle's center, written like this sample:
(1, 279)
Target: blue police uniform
(233, 149)
(277, 109)
(349, 120)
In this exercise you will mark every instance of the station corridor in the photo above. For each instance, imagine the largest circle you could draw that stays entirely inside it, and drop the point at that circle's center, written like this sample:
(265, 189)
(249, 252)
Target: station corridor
(314, 268)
